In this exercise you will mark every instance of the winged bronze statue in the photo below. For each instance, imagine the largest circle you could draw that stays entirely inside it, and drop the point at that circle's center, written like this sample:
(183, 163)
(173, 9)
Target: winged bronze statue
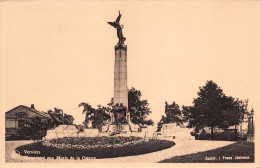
(119, 28)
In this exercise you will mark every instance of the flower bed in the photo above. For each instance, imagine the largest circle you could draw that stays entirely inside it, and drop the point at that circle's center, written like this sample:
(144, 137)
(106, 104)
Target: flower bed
(92, 142)
(101, 147)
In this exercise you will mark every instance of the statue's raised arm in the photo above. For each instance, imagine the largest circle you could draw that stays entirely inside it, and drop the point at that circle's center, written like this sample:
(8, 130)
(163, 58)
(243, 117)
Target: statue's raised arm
(118, 17)
(116, 24)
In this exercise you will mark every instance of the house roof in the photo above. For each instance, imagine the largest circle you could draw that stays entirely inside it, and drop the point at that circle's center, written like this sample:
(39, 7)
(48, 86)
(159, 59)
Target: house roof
(41, 113)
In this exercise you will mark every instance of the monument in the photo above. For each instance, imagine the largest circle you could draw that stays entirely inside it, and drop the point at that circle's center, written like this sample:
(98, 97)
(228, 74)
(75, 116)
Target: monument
(120, 115)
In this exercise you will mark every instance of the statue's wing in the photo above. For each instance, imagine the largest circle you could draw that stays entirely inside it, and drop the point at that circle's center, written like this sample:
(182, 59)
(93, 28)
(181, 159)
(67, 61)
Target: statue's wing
(113, 24)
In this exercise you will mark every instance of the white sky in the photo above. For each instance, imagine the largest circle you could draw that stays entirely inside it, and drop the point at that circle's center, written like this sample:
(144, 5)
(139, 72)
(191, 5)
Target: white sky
(61, 53)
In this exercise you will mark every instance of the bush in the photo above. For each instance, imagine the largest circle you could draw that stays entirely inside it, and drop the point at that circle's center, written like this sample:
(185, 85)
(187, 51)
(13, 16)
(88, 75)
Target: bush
(205, 136)
(17, 137)
(226, 136)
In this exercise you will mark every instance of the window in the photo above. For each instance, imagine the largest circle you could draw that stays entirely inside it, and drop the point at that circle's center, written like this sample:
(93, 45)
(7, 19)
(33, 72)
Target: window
(21, 123)
(21, 116)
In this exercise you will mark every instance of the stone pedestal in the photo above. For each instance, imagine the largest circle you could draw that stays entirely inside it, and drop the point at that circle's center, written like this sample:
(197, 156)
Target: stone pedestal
(69, 131)
(178, 132)
(62, 131)
(113, 127)
(91, 132)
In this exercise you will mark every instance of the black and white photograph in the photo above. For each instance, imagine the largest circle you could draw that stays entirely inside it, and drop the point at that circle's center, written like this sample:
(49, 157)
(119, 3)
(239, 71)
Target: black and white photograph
(144, 83)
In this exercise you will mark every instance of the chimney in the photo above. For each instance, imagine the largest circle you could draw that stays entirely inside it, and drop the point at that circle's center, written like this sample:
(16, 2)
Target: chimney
(32, 106)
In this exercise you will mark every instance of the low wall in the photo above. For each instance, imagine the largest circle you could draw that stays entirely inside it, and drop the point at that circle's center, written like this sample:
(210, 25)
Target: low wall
(69, 131)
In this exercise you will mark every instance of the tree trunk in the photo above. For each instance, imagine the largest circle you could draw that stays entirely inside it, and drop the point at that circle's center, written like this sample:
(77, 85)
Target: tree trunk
(236, 132)
(211, 135)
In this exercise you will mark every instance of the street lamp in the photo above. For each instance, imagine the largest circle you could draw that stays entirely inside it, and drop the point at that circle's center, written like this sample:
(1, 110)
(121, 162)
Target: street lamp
(252, 113)
(251, 122)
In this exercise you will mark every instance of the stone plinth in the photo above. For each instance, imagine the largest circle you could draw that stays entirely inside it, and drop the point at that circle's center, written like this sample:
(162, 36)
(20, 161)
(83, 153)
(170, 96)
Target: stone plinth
(62, 131)
(51, 134)
(69, 131)
(178, 132)
(134, 128)
(113, 127)
(91, 132)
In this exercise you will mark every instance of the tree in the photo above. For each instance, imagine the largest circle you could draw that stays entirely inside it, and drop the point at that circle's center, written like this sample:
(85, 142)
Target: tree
(138, 111)
(138, 108)
(36, 128)
(96, 116)
(187, 113)
(234, 112)
(212, 108)
(100, 116)
(88, 110)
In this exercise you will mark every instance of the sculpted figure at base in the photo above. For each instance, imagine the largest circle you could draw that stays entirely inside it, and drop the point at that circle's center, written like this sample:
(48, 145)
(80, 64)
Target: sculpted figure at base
(119, 28)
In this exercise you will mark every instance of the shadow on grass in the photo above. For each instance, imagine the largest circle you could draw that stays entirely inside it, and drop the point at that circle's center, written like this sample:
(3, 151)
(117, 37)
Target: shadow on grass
(239, 152)
(110, 152)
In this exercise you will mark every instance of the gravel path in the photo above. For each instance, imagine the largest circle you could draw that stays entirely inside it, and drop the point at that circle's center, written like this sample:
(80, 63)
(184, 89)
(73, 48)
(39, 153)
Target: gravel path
(182, 147)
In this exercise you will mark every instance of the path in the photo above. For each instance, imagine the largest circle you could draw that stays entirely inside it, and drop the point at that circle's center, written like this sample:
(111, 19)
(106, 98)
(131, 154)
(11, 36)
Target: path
(182, 147)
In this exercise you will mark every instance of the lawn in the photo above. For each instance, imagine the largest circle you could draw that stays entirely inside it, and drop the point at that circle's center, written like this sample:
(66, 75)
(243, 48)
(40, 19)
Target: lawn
(239, 152)
(40, 150)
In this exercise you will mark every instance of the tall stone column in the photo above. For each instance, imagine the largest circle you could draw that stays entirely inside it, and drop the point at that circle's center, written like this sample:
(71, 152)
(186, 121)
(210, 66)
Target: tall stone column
(120, 77)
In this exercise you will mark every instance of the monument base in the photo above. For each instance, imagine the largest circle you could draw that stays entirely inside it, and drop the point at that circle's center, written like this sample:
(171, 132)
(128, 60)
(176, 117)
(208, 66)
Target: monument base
(176, 132)
(69, 131)
(113, 128)
(122, 116)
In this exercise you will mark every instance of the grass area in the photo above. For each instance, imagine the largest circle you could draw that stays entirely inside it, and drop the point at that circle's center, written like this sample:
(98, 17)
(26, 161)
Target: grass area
(109, 152)
(239, 152)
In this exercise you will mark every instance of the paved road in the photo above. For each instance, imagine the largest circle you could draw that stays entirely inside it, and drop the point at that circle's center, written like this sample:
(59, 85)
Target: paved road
(182, 147)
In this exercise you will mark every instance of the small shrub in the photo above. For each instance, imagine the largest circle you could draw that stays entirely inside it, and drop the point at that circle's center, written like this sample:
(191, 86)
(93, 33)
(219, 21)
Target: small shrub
(228, 136)
(17, 137)
(205, 136)
(224, 136)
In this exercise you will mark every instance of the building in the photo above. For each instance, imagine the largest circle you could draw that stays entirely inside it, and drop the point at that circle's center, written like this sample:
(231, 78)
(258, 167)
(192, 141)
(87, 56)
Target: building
(16, 118)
